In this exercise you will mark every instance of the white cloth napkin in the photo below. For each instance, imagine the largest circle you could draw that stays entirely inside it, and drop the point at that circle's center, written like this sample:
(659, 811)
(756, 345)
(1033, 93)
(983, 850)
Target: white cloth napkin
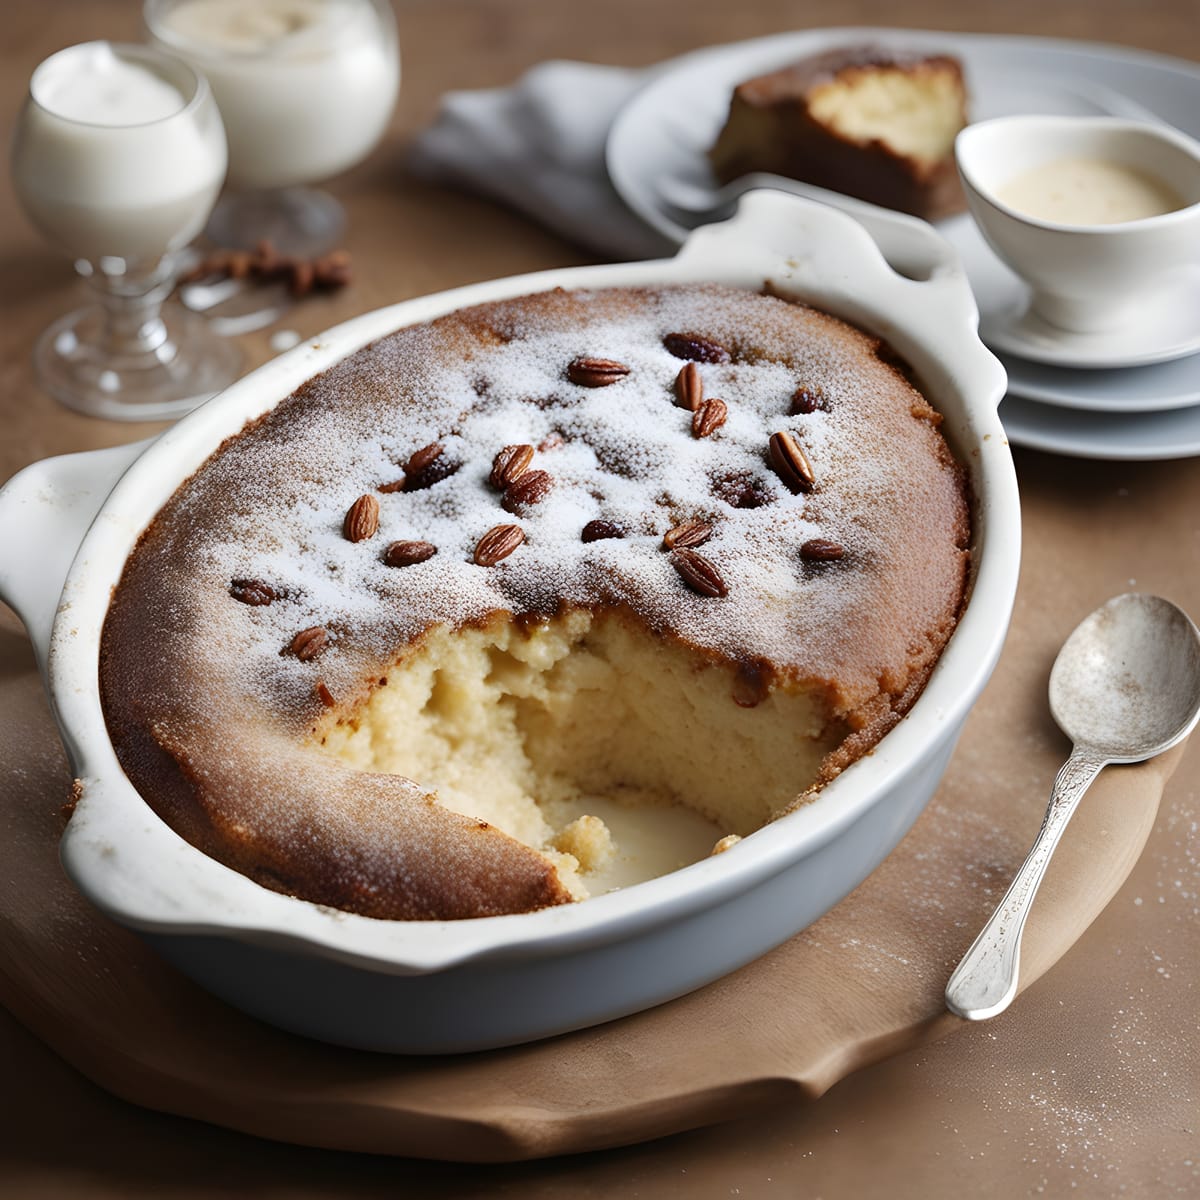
(538, 146)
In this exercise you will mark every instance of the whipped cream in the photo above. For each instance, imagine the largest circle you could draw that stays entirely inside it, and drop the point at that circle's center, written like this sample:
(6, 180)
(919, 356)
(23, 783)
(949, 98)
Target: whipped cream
(95, 85)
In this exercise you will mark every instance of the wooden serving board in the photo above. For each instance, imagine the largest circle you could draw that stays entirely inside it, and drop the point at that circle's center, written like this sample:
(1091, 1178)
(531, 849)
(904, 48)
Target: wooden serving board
(862, 983)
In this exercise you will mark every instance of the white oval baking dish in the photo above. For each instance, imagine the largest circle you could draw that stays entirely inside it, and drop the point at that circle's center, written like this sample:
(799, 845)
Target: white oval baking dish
(434, 987)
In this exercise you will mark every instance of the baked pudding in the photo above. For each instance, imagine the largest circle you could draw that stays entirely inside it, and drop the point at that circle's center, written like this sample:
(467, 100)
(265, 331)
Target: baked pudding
(537, 599)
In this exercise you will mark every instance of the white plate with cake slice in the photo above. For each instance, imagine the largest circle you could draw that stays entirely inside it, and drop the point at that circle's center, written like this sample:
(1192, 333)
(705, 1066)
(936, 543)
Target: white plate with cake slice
(658, 146)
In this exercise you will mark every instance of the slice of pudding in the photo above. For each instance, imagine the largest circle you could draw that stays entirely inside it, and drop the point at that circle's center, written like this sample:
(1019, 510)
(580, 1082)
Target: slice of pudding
(860, 121)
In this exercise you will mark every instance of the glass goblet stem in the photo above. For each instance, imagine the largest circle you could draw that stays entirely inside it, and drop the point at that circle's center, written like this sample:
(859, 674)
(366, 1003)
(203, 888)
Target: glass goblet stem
(131, 302)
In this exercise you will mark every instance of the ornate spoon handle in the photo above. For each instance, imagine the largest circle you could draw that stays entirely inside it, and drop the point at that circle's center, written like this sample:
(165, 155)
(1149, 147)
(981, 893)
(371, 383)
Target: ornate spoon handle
(984, 983)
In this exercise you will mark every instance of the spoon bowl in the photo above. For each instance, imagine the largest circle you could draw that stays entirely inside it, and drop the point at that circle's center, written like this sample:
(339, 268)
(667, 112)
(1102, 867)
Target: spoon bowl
(1125, 687)
(1127, 681)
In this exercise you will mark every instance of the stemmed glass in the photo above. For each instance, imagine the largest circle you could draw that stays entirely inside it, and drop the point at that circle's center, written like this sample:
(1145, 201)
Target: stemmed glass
(306, 89)
(118, 157)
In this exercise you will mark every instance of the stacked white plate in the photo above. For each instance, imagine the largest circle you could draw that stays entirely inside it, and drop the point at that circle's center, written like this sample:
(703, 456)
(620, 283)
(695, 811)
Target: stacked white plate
(1133, 394)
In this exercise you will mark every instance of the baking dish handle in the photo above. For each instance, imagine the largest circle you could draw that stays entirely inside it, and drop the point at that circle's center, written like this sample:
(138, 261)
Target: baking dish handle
(45, 510)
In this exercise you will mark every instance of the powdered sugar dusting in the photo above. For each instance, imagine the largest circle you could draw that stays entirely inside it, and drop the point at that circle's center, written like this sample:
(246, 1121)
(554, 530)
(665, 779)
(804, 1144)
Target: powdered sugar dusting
(624, 453)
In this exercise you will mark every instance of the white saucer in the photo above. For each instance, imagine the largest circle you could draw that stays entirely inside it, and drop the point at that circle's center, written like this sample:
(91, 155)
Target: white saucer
(1123, 390)
(1167, 327)
(1117, 437)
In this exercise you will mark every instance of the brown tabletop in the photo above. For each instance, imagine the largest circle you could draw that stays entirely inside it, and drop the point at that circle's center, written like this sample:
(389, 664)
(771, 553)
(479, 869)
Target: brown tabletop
(1091, 1082)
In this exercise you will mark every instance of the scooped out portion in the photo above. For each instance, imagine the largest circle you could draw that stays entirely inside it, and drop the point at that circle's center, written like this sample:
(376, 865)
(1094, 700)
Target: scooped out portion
(588, 739)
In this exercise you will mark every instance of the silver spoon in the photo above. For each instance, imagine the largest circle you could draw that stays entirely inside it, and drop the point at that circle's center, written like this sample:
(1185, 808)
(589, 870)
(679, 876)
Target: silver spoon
(1125, 687)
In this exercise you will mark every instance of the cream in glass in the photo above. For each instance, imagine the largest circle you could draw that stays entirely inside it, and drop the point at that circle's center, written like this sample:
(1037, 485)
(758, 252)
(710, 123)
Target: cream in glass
(117, 158)
(306, 88)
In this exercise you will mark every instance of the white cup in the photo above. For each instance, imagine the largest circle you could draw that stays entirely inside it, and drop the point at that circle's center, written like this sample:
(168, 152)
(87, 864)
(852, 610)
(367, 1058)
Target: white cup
(1085, 278)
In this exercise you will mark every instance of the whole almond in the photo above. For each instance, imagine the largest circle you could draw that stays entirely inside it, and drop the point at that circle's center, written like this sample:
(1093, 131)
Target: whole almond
(600, 530)
(497, 544)
(821, 550)
(406, 554)
(308, 643)
(332, 270)
(709, 417)
(687, 534)
(699, 573)
(696, 348)
(689, 387)
(420, 459)
(790, 462)
(303, 277)
(595, 372)
(510, 464)
(807, 400)
(428, 466)
(266, 259)
(530, 488)
(239, 263)
(361, 520)
(251, 591)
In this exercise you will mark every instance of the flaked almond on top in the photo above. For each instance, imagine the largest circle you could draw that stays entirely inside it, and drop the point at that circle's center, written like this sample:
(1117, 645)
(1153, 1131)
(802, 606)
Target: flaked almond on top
(596, 372)
(497, 544)
(361, 519)
(699, 573)
(510, 463)
(790, 462)
(709, 417)
(686, 534)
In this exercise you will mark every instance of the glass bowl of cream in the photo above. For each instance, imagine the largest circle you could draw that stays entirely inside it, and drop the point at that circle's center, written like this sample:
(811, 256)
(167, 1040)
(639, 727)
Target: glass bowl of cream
(306, 89)
(1095, 214)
